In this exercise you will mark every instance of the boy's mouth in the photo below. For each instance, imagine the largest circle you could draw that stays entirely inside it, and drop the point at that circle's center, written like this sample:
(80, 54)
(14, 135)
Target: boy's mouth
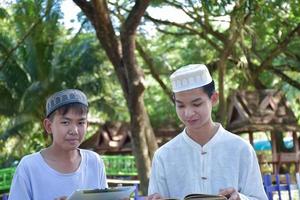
(75, 140)
(192, 121)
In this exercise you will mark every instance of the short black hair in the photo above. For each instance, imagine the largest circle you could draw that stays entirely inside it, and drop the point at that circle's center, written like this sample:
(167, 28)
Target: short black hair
(78, 107)
(209, 89)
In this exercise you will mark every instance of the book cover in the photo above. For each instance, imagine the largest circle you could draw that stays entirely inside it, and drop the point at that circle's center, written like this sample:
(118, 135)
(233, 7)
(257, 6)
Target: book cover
(107, 194)
(201, 197)
(204, 197)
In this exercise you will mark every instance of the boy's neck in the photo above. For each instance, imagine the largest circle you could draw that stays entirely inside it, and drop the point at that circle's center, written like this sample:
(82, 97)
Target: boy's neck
(62, 161)
(62, 155)
(204, 134)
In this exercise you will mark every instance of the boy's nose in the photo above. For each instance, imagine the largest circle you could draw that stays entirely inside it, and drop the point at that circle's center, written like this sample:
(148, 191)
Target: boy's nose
(73, 130)
(189, 112)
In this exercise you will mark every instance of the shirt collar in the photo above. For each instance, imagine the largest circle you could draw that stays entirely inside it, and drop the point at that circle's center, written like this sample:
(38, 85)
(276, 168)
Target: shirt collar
(209, 144)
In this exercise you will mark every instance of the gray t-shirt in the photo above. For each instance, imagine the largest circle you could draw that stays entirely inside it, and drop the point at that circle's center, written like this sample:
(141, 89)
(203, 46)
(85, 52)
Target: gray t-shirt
(36, 180)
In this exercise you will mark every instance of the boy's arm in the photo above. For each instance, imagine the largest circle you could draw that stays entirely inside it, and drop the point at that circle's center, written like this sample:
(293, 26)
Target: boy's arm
(251, 185)
(103, 178)
(19, 188)
(154, 196)
(157, 181)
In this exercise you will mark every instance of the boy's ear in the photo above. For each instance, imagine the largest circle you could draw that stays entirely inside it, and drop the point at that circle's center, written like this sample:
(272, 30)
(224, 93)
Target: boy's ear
(214, 98)
(47, 125)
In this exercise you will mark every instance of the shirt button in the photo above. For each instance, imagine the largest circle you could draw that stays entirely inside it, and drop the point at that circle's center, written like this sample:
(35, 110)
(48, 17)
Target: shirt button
(203, 152)
(204, 178)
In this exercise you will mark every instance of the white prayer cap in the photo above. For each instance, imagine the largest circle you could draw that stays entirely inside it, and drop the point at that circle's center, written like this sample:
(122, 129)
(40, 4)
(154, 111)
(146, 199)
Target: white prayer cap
(190, 77)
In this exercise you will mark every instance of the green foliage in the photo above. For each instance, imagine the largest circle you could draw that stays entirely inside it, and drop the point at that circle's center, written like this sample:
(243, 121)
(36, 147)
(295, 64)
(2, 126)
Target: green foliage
(293, 97)
(38, 57)
(160, 109)
(46, 61)
(157, 3)
(269, 24)
(3, 13)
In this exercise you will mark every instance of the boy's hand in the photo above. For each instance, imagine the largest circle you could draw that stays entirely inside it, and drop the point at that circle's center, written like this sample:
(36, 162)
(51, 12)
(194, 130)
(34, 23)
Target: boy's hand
(61, 198)
(230, 193)
(154, 196)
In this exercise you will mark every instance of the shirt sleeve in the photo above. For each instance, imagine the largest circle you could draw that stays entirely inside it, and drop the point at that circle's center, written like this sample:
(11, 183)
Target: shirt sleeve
(157, 181)
(103, 180)
(20, 188)
(251, 179)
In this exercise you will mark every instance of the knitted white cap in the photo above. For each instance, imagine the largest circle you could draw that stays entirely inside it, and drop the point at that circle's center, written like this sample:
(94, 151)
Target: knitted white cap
(189, 77)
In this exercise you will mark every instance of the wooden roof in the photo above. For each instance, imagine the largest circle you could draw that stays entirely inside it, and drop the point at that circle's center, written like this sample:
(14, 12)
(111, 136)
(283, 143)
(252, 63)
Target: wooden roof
(262, 110)
(115, 138)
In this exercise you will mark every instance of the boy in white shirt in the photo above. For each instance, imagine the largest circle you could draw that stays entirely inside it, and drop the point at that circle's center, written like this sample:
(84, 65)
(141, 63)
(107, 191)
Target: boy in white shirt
(60, 169)
(204, 158)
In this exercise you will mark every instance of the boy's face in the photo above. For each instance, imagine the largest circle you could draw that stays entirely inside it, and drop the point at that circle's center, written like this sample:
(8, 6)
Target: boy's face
(194, 107)
(68, 130)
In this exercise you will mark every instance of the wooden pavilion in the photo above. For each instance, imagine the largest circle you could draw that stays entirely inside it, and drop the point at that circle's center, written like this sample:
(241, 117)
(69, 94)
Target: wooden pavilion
(265, 111)
(111, 138)
(115, 138)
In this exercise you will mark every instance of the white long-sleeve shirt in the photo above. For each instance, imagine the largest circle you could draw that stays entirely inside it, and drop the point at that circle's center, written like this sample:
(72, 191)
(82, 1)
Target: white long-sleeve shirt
(36, 180)
(182, 166)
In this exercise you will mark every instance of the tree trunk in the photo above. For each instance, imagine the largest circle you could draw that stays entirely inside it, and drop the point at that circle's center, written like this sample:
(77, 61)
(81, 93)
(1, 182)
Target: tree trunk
(237, 21)
(222, 102)
(144, 143)
(131, 77)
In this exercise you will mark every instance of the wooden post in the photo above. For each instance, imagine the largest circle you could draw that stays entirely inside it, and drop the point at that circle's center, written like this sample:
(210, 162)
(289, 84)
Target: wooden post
(296, 148)
(275, 161)
(251, 138)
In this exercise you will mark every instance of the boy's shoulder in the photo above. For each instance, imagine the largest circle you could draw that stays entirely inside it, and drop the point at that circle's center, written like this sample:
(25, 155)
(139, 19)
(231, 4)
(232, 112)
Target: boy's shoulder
(92, 158)
(174, 143)
(88, 152)
(90, 155)
(236, 141)
(31, 157)
(30, 162)
(234, 137)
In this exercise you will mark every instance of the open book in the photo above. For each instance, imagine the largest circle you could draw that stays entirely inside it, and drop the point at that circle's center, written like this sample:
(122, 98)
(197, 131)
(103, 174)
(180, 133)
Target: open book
(202, 197)
(116, 193)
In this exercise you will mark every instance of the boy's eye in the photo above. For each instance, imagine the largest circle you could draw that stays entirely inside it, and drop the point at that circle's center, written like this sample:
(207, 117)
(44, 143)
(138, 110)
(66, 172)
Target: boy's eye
(82, 122)
(197, 104)
(180, 106)
(65, 122)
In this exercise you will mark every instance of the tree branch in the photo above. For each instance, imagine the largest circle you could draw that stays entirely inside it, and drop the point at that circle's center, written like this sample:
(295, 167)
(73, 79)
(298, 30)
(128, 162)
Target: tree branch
(278, 49)
(79, 30)
(289, 67)
(20, 42)
(128, 32)
(186, 27)
(134, 17)
(86, 8)
(150, 62)
(175, 33)
(286, 78)
(208, 29)
(6, 52)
